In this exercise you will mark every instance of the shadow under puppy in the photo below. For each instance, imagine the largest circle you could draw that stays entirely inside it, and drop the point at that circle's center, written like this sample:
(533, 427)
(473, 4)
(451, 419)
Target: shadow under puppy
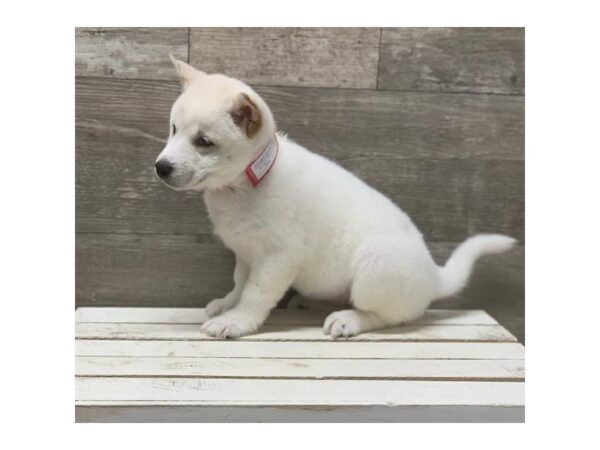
(296, 219)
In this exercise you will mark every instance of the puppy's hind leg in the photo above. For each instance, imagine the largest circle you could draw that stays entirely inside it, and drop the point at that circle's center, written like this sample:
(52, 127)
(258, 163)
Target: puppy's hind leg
(393, 283)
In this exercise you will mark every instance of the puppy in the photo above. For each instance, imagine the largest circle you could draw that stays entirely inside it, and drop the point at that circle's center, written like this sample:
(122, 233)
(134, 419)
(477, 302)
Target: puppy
(296, 219)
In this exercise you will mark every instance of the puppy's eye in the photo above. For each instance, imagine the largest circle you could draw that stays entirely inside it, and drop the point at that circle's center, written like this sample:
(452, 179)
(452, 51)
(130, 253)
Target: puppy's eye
(203, 141)
(173, 129)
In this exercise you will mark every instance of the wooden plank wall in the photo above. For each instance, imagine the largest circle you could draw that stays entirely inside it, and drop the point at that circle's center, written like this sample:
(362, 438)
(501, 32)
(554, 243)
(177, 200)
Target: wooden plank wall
(432, 117)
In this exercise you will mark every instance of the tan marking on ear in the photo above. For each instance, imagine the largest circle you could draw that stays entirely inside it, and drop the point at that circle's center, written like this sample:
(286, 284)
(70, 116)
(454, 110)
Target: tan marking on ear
(246, 115)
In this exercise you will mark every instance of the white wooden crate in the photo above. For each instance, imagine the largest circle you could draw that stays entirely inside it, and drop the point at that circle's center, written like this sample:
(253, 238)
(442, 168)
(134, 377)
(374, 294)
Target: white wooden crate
(155, 365)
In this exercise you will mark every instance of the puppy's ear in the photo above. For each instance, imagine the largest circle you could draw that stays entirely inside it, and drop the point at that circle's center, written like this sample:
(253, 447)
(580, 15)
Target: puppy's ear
(246, 115)
(185, 72)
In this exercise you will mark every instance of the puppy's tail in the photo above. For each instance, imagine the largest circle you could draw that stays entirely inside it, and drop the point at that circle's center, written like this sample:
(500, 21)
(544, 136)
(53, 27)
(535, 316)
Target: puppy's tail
(455, 274)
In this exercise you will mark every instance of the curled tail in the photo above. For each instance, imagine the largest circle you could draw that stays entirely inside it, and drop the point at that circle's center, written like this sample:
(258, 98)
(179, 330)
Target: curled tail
(455, 274)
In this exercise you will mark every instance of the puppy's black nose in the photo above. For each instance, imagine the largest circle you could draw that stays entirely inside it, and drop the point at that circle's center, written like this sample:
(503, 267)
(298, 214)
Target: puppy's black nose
(163, 168)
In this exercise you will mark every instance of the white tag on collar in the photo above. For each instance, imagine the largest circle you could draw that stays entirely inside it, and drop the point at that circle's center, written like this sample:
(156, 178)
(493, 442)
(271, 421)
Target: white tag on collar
(258, 168)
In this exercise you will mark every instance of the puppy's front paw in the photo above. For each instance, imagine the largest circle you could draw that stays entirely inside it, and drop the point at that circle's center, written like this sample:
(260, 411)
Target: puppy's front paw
(230, 326)
(218, 306)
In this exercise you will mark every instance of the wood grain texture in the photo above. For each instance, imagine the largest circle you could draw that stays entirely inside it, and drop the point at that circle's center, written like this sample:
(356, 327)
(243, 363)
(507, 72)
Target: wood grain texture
(297, 368)
(448, 200)
(375, 124)
(482, 60)
(120, 125)
(401, 333)
(335, 121)
(150, 270)
(305, 414)
(332, 57)
(276, 317)
(129, 52)
(330, 393)
(327, 350)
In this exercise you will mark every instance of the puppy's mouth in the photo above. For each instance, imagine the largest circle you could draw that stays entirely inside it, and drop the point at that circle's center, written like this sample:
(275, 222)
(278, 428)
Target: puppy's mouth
(200, 181)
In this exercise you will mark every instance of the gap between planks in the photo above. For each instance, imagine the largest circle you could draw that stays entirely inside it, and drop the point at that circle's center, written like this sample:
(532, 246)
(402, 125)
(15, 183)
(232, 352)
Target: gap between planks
(328, 378)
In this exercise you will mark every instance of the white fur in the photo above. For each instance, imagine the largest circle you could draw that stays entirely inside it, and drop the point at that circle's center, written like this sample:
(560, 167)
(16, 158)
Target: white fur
(309, 224)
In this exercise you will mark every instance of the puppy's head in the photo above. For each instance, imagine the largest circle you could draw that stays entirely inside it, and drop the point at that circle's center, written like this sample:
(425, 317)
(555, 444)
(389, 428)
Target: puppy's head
(218, 125)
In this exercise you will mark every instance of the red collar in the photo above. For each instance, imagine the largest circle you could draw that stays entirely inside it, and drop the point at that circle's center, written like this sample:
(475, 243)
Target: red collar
(258, 169)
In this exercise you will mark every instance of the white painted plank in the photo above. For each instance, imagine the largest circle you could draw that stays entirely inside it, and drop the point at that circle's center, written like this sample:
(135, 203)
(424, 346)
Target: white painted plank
(306, 413)
(334, 350)
(189, 391)
(277, 316)
(190, 316)
(478, 333)
(407, 369)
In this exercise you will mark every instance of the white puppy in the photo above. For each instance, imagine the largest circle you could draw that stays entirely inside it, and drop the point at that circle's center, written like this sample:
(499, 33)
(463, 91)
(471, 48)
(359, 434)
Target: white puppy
(296, 219)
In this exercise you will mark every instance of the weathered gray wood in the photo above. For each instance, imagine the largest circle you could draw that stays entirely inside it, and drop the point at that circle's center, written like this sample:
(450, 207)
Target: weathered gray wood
(150, 270)
(120, 125)
(129, 52)
(332, 57)
(375, 124)
(290, 414)
(483, 60)
(117, 191)
(335, 121)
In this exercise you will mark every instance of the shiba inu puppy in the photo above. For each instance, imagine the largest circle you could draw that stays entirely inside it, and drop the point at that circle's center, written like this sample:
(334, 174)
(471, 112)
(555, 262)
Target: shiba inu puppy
(296, 219)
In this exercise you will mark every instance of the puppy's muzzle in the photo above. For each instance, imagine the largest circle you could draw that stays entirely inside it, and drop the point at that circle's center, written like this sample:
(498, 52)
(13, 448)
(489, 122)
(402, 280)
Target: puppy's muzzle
(163, 168)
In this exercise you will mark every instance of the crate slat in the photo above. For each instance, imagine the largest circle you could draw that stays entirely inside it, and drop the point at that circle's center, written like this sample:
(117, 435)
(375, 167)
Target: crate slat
(328, 350)
(296, 392)
(477, 333)
(153, 412)
(277, 316)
